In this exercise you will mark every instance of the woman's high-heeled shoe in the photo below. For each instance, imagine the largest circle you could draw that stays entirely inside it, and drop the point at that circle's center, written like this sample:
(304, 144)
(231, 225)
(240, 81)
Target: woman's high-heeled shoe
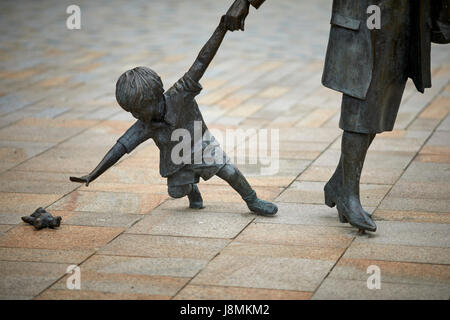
(358, 218)
(331, 199)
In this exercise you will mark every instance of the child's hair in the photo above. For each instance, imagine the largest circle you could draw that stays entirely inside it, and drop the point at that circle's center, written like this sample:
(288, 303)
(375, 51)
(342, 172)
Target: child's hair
(139, 87)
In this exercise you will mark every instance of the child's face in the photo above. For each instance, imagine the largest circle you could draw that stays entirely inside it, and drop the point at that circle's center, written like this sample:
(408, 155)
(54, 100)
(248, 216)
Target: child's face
(149, 112)
(144, 114)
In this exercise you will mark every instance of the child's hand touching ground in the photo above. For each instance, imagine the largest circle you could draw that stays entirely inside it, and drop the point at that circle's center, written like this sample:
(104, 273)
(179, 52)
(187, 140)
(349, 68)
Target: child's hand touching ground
(84, 179)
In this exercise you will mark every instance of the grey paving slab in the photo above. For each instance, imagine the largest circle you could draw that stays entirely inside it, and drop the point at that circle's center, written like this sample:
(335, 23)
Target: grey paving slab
(332, 289)
(193, 223)
(28, 278)
(394, 252)
(392, 272)
(264, 272)
(409, 233)
(307, 214)
(163, 246)
(174, 267)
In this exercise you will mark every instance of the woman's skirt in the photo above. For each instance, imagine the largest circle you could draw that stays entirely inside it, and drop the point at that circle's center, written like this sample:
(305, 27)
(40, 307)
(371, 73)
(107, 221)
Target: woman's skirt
(377, 113)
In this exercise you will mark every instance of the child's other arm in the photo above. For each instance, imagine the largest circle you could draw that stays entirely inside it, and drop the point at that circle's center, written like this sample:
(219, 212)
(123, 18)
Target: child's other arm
(208, 52)
(111, 158)
(135, 135)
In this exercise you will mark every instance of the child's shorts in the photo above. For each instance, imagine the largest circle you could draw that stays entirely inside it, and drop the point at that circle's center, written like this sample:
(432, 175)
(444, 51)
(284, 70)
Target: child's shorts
(191, 173)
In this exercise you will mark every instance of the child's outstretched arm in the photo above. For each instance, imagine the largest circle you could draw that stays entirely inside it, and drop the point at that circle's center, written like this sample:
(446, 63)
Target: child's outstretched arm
(108, 161)
(208, 52)
(135, 135)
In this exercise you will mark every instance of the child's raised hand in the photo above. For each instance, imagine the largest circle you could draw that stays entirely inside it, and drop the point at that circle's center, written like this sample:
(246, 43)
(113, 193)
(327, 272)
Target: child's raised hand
(237, 14)
(83, 179)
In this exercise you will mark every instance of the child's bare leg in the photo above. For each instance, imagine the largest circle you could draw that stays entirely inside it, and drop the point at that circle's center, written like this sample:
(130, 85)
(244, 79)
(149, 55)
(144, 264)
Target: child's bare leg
(237, 181)
(190, 190)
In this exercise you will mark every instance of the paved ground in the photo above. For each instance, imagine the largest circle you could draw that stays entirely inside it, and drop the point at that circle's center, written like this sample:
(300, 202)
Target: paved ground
(59, 117)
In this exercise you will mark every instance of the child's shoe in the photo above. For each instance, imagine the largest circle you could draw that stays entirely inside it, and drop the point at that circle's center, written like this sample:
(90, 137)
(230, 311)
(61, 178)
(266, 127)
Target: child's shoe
(259, 206)
(195, 198)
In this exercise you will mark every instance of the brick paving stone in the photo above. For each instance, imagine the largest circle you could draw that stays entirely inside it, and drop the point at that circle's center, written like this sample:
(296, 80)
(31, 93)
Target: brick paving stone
(412, 216)
(271, 167)
(36, 183)
(141, 245)
(415, 204)
(402, 253)
(209, 207)
(368, 176)
(374, 159)
(132, 203)
(392, 271)
(12, 218)
(28, 278)
(438, 109)
(445, 125)
(300, 235)
(74, 237)
(424, 124)
(316, 118)
(45, 255)
(264, 272)
(243, 249)
(444, 158)
(420, 190)
(29, 131)
(158, 266)
(427, 172)
(193, 223)
(409, 233)
(99, 219)
(52, 294)
(312, 192)
(127, 284)
(272, 181)
(304, 214)
(199, 292)
(13, 152)
(4, 228)
(25, 203)
(337, 289)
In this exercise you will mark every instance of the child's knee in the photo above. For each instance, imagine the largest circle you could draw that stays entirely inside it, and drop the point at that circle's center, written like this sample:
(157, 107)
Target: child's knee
(229, 171)
(179, 191)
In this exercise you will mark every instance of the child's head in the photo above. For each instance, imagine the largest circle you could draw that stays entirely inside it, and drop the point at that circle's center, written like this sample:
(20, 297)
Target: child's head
(140, 91)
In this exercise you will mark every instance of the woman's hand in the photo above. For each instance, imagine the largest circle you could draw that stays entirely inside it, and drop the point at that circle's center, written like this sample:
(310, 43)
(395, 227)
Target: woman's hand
(236, 15)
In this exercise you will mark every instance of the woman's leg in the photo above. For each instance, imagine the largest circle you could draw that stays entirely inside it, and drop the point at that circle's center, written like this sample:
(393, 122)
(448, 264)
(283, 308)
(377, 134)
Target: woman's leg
(335, 182)
(343, 187)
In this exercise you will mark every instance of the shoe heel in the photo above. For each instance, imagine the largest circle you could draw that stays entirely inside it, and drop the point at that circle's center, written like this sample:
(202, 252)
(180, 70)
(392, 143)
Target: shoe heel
(342, 218)
(329, 201)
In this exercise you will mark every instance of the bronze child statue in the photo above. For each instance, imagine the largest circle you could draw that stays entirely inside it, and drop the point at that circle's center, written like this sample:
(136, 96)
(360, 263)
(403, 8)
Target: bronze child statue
(159, 114)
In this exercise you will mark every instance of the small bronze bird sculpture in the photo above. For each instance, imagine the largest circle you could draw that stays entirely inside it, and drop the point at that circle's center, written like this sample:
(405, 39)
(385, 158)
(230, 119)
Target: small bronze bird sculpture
(42, 219)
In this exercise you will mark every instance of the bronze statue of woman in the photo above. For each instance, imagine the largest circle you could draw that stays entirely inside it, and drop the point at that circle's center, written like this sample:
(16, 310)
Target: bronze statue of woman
(370, 66)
